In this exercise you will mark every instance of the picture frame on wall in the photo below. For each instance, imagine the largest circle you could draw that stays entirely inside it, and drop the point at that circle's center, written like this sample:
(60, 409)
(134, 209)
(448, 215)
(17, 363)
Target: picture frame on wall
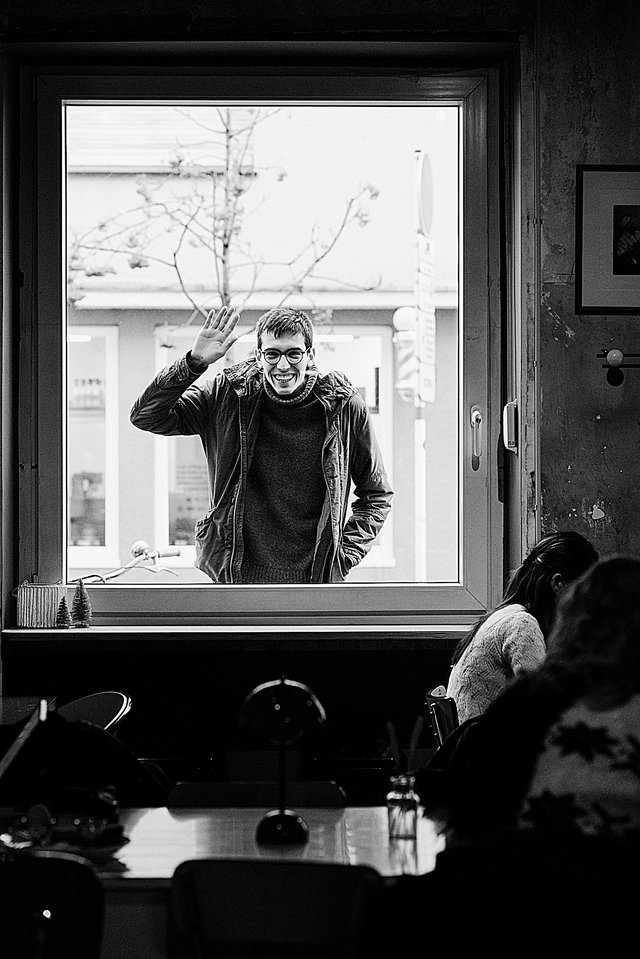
(607, 239)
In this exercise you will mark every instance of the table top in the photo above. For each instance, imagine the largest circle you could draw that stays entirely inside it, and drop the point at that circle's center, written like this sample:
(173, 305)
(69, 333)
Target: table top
(161, 838)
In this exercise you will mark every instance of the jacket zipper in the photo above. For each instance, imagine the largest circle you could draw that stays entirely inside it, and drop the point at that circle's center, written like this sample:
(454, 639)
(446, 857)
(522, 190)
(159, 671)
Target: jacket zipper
(237, 494)
(326, 483)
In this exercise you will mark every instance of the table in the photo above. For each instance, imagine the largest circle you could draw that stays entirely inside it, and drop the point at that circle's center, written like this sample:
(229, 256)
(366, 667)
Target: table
(137, 897)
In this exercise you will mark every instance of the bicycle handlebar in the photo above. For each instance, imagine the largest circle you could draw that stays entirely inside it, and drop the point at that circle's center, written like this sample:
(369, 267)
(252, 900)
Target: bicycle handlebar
(142, 553)
(167, 551)
(141, 550)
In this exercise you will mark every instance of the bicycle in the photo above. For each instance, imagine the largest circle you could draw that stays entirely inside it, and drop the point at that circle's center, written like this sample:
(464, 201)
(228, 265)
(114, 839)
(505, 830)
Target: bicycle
(142, 553)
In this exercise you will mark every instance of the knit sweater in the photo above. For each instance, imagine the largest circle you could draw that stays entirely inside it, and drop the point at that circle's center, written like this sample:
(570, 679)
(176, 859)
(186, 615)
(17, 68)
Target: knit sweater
(507, 644)
(285, 492)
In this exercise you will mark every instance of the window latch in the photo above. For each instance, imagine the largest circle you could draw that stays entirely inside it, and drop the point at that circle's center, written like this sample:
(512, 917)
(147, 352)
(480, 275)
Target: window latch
(476, 437)
(510, 426)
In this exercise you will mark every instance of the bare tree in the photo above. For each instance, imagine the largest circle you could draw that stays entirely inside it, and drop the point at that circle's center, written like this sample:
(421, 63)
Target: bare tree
(206, 204)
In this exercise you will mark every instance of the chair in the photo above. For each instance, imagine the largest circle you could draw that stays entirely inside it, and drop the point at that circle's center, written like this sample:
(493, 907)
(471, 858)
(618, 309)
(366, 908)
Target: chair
(442, 713)
(326, 795)
(51, 906)
(254, 907)
(104, 709)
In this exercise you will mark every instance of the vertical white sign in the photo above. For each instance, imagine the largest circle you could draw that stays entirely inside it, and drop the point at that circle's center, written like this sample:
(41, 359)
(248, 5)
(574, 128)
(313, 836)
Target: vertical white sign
(426, 323)
(425, 304)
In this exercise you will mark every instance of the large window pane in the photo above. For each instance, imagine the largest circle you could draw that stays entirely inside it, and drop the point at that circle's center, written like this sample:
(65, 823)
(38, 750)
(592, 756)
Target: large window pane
(350, 212)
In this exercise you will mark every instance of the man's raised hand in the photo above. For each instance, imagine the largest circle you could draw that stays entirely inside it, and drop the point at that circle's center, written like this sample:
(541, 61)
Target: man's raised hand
(216, 336)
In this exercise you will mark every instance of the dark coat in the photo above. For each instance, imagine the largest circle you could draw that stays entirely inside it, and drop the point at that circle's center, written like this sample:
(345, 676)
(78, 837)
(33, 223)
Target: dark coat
(225, 413)
(476, 782)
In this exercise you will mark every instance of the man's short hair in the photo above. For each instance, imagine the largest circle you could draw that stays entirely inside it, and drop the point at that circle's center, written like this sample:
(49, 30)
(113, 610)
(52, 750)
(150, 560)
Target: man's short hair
(285, 321)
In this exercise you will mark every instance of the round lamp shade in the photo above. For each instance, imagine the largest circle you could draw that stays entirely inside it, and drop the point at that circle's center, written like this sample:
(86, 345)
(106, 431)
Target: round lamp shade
(282, 710)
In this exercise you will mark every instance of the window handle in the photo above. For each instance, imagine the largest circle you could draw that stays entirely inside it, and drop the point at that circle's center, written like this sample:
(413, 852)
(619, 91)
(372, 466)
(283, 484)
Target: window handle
(510, 426)
(476, 437)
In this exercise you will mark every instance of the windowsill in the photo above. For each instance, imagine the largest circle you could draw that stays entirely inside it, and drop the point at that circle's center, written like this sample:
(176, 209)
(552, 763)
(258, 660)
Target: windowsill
(368, 606)
(189, 638)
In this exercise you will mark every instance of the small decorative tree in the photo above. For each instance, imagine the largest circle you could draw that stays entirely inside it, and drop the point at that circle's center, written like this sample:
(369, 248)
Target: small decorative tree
(81, 606)
(63, 616)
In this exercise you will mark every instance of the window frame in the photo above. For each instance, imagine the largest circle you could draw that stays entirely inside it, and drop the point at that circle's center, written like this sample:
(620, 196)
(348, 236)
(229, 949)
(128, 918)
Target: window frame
(41, 435)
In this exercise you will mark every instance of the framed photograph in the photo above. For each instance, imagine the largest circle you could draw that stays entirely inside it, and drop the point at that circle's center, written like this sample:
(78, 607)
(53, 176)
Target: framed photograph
(608, 239)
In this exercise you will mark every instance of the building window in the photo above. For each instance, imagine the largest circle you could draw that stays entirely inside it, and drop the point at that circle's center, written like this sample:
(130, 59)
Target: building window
(92, 447)
(139, 204)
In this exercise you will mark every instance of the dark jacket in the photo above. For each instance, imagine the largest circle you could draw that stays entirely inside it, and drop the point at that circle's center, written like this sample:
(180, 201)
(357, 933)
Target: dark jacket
(476, 782)
(225, 413)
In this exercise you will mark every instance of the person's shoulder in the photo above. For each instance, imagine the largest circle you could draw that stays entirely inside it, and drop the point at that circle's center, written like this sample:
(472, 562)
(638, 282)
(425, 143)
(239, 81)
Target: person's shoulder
(603, 712)
(519, 628)
(515, 615)
(505, 617)
(511, 609)
(336, 382)
(335, 386)
(243, 378)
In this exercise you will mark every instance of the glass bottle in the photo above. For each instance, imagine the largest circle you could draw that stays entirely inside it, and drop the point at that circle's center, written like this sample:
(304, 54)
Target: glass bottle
(402, 808)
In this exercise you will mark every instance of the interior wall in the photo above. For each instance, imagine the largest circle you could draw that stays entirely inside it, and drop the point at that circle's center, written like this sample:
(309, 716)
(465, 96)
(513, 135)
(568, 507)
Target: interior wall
(589, 431)
(212, 19)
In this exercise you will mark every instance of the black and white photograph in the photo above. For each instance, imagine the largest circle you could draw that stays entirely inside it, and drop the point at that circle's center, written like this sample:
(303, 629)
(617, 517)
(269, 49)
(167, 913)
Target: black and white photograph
(626, 240)
(319, 495)
(607, 239)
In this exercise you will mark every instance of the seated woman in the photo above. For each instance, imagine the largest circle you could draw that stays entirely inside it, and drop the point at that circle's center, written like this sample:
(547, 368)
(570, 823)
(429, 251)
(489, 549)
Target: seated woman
(510, 641)
(542, 805)
(587, 775)
(560, 748)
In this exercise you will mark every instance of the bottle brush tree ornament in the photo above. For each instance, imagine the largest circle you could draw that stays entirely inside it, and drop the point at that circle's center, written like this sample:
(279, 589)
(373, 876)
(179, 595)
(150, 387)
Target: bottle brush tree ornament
(63, 616)
(81, 606)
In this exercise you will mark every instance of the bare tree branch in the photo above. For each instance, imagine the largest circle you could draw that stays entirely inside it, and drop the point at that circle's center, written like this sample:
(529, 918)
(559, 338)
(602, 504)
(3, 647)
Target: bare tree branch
(211, 219)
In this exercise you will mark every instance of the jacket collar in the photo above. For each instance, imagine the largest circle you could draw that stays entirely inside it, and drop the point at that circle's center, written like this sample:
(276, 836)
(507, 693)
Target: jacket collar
(246, 379)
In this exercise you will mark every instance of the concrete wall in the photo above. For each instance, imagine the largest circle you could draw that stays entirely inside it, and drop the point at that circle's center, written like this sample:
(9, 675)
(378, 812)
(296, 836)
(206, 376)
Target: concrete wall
(589, 431)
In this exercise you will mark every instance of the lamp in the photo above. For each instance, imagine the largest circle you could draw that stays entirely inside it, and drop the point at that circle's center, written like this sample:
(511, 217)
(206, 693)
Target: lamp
(282, 710)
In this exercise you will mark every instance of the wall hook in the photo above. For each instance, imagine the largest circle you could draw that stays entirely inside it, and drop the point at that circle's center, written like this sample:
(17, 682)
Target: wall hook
(615, 362)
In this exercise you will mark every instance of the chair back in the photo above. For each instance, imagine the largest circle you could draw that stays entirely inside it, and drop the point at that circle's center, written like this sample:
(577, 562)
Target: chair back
(104, 709)
(443, 714)
(325, 795)
(276, 908)
(51, 906)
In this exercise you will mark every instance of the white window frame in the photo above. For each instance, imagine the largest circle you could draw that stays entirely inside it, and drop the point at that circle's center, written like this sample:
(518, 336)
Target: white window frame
(43, 546)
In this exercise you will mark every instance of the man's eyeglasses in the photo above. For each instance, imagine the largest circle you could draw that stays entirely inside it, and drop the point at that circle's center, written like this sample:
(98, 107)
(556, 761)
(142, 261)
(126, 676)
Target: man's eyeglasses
(273, 356)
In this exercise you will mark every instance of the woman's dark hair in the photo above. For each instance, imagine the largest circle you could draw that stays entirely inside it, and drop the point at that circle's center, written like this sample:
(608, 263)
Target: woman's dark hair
(567, 553)
(594, 646)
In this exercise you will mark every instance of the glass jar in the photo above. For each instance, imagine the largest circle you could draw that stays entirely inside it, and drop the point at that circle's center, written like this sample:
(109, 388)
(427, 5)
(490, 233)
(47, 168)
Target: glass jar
(402, 808)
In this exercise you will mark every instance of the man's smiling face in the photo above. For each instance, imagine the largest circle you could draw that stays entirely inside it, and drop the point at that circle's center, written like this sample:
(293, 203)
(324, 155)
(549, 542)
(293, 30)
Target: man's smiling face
(286, 378)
